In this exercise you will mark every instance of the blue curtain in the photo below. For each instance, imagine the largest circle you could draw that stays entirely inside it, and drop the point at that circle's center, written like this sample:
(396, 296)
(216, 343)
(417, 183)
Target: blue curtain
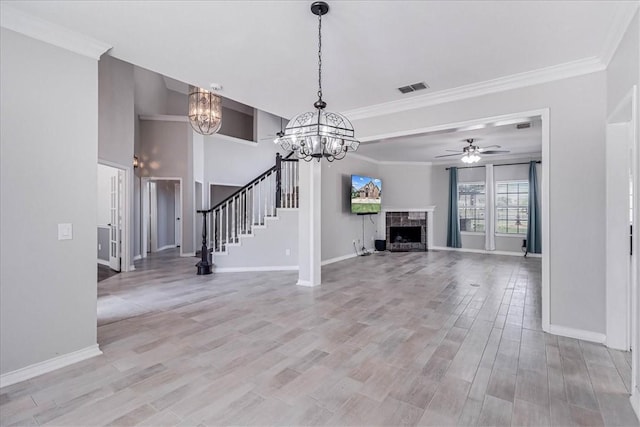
(453, 225)
(534, 230)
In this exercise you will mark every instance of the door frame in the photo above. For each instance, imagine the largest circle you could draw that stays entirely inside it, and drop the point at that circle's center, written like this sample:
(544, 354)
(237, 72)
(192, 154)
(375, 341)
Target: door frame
(145, 210)
(126, 203)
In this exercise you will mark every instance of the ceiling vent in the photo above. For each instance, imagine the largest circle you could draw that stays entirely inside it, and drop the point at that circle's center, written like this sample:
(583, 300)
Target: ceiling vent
(414, 87)
(523, 125)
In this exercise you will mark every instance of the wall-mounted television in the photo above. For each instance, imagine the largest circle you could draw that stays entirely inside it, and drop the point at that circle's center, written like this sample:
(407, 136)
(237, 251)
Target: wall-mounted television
(366, 195)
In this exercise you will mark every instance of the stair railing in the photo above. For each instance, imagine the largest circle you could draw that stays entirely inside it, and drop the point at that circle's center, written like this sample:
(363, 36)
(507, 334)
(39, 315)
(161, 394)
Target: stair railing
(249, 206)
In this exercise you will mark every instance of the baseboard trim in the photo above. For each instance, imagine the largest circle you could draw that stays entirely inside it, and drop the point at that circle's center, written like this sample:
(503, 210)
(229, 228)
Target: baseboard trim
(166, 247)
(483, 251)
(187, 254)
(251, 269)
(337, 259)
(137, 257)
(103, 262)
(306, 284)
(635, 402)
(578, 334)
(40, 368)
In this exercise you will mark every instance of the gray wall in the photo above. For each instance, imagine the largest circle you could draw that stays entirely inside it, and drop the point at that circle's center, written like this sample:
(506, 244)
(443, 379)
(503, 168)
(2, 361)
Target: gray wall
(218, 193)
(167, 152)
(237, 124)
(577, 181)
(339, 226)
(234, 163)
(47, 308)
(406, 186)
(165, 194)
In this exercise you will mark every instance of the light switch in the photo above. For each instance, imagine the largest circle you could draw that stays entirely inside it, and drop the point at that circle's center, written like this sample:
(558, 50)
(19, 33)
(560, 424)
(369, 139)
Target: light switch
(65, 232)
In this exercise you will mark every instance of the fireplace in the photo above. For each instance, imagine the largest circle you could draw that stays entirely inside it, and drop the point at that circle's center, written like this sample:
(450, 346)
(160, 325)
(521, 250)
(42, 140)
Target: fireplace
(406, 231)
(405, 234)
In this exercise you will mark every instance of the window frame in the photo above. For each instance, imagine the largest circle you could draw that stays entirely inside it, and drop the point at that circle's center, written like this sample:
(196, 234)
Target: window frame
(507, 207)
(482, 209)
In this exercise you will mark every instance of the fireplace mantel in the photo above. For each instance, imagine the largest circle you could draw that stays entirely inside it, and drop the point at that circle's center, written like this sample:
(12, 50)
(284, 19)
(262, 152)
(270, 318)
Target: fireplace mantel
(382, 223)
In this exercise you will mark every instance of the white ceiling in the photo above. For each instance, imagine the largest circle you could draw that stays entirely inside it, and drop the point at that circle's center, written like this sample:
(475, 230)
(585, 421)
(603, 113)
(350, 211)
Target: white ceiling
(521, 143)
(264, 53)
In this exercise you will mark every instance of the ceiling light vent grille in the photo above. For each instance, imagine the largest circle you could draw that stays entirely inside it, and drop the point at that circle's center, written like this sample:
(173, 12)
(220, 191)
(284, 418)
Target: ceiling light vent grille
(413, 87)
(523, 125)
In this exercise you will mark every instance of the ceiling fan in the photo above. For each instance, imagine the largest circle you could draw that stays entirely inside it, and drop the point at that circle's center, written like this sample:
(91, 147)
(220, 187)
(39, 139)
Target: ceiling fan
(471, 153)
(277, 135)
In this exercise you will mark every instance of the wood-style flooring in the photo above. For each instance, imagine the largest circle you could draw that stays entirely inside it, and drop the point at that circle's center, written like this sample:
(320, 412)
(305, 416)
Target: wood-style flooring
(437, 338)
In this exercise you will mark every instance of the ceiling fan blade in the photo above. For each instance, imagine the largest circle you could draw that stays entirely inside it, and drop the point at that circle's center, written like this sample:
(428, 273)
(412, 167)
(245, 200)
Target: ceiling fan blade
(455, 151)
(488, 146)
(496, 152)
(449, 155)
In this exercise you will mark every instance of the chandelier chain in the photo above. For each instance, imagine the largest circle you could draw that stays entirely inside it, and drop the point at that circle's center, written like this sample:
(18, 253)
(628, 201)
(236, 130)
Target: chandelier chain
(320, 56)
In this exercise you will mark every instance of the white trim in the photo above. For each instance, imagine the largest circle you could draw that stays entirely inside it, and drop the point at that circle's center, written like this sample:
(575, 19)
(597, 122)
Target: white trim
(473, 233)
(501, 84)
(103, 262)
(395, 209)
(306, 284)
(519, 236)
(49, 365)
(144, 208)
(137, 257)
(546, 216)
(45, 31)
(635, 402)
(186, 254)
(132, 267)
(483, 251)
(578, 334)
(164, 118)
(337, 259)
(255, 269)
(621, 21)
(167, 247)
(404, 163)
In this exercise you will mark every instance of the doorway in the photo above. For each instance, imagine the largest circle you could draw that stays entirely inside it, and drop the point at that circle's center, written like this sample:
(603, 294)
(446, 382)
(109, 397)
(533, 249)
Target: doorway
(161, 214)
(112, 232)
(622, 216)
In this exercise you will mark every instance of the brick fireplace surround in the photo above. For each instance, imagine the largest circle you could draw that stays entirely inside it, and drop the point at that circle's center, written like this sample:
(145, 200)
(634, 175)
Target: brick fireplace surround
(421, 217)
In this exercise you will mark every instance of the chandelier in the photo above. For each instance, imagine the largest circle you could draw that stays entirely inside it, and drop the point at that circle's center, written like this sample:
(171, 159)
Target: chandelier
(205, 111)
(318, 134)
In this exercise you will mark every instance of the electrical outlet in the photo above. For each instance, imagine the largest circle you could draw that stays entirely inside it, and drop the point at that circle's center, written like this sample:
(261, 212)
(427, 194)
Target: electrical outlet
(99, 246)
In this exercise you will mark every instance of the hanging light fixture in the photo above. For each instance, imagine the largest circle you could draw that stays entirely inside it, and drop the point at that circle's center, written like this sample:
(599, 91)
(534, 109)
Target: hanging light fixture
(318, 134)
(471, 153)
(205, 110)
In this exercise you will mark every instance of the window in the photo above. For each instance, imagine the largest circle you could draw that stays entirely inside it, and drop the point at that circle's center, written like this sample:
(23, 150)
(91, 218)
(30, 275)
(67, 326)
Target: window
(471, 202)
(512, 207)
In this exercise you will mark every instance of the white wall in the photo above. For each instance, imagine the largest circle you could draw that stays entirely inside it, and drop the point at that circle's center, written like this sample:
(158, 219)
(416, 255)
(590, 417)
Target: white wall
(166, 151)
(48, 176)
(577, 181)
(339, 226)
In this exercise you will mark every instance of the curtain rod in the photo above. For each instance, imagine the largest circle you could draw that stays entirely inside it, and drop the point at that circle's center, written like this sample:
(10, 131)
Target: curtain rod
(503, 164)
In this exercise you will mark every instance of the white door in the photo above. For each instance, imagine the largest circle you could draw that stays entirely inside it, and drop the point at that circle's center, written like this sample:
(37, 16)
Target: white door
(178, 215)
(114, 224)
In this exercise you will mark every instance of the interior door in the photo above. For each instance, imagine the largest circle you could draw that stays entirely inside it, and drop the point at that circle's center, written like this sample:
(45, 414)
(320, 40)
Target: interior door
(114, 224)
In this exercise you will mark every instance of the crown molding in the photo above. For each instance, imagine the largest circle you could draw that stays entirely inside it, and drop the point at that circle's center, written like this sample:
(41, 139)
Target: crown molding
(514, 81)
(621, 21)
(39, 29)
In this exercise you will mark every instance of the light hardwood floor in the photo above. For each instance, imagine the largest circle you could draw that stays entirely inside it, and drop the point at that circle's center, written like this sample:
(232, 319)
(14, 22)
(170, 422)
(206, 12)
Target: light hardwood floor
(436, 338)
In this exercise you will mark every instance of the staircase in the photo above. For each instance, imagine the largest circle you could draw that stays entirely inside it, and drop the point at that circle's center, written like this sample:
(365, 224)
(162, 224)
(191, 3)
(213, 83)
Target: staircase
(264, 204)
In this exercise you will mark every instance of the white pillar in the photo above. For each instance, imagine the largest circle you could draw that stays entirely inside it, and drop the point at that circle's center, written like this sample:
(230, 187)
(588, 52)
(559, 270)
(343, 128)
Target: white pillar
(309, 218)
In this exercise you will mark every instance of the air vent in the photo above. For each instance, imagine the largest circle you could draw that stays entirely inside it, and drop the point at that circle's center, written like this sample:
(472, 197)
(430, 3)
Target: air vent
(523, 125)
(414, 87)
